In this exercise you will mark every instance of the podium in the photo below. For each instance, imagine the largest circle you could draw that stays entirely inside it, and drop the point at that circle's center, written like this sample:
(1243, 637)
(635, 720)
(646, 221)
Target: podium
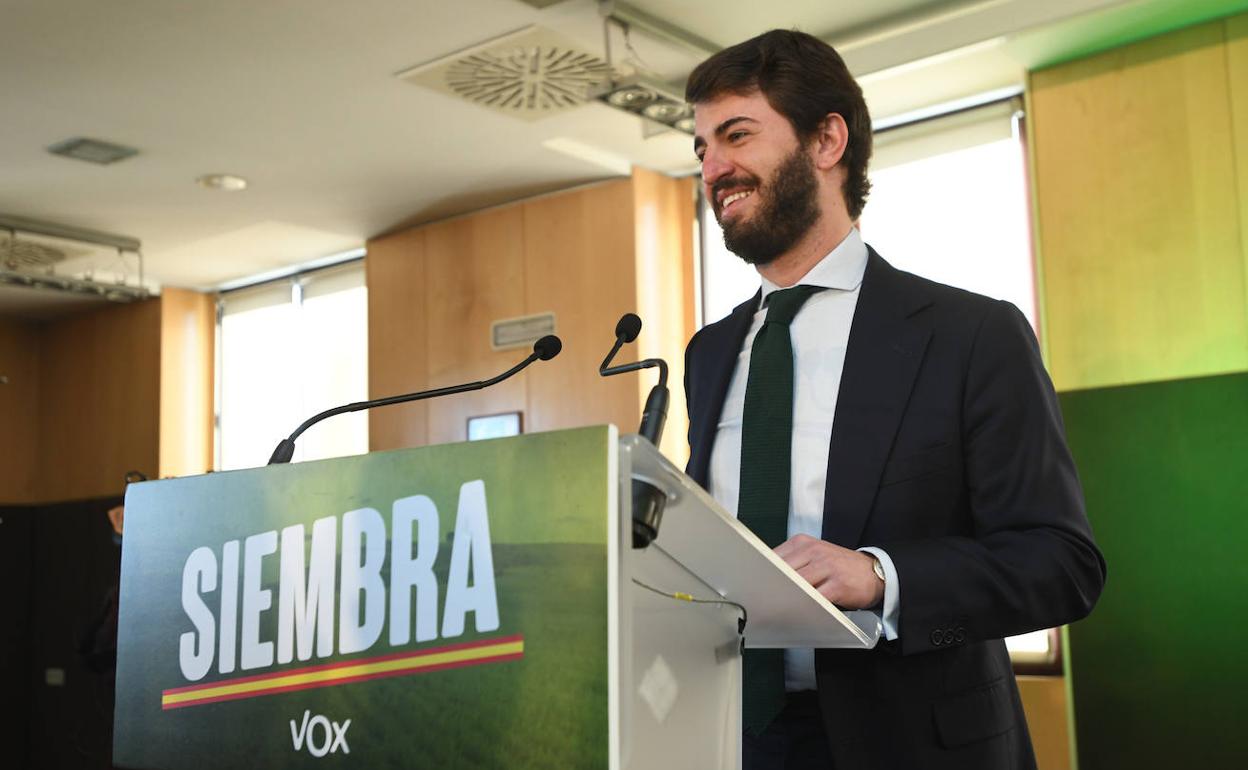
(473, 605)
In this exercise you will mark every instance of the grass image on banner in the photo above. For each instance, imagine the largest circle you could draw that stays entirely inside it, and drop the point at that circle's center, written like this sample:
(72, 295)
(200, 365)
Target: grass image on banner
(544, 705)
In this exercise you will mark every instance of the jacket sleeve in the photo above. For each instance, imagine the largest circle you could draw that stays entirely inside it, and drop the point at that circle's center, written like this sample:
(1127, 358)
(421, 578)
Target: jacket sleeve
(1026, 559)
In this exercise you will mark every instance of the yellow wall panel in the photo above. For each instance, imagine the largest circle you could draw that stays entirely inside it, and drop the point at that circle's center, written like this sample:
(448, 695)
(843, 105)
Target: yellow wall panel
(1045, 703)
(474, 275)
(663, 208)
(1139, 228)
(188, 324)
(580, 261)
(397, 359)
(1237, 67)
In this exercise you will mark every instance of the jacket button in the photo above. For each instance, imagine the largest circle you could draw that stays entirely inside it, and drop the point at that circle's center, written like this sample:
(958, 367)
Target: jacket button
(948, 636)
(938, 638)
(959, 635)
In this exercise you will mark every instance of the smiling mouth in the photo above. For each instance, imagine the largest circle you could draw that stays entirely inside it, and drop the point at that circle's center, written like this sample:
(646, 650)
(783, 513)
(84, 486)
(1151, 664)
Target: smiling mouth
(729, 200)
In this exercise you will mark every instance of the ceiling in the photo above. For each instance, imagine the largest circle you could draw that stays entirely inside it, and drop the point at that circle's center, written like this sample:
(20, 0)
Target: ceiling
(301, 98)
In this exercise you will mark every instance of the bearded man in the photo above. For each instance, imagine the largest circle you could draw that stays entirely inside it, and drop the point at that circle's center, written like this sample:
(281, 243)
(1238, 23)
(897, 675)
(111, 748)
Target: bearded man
(897, 441)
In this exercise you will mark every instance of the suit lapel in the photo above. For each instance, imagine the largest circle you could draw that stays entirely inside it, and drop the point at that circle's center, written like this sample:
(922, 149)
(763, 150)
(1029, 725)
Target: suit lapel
(716, 363)
(886, 347)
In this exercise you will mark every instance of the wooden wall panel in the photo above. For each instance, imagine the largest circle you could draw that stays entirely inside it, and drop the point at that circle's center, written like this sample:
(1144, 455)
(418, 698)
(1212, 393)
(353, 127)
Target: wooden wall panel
(1138, 211)
(664, 212)
(19, 411)
(474, 271)
(588, 255)
(579, 263)
(1048, 719)
(187, 331)
(395, 272)
(99, 407)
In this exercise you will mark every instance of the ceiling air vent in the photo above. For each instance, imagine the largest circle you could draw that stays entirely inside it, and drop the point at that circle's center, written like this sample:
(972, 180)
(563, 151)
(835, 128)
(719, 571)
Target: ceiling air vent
(92, 150)
(20, 254)
(529, 74)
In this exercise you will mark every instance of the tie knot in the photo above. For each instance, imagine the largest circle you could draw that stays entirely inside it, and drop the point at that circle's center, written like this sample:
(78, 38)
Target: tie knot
(782, 305)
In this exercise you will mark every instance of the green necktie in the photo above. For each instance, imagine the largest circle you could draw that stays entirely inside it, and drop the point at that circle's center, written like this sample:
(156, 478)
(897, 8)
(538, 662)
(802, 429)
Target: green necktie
(763, 501)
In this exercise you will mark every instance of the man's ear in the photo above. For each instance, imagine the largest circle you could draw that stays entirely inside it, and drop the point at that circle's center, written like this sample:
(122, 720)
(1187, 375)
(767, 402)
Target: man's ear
(830, 142)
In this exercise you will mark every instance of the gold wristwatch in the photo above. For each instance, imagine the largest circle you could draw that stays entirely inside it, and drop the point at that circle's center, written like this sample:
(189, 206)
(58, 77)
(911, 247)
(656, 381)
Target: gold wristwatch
(878, 568)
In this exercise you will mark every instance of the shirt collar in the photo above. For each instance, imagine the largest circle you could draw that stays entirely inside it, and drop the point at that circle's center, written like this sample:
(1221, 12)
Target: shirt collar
(842, 268)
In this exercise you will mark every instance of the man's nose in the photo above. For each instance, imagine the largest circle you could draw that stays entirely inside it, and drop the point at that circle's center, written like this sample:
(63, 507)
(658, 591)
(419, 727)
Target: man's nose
(714, 168)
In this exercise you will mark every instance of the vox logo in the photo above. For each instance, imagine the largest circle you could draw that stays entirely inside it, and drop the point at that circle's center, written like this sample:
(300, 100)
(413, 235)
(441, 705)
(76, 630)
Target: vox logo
(321, 735)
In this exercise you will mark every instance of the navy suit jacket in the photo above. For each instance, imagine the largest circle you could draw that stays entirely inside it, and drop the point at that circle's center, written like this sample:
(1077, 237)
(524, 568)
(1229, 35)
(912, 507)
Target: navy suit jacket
(948, 452)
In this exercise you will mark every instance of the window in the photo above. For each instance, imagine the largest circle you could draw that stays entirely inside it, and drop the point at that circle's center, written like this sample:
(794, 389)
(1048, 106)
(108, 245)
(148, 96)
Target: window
(289, 349)
(949, 202)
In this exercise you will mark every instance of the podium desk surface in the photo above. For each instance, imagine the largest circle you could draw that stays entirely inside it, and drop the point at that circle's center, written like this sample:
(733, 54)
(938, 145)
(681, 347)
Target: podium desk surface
(696, 532)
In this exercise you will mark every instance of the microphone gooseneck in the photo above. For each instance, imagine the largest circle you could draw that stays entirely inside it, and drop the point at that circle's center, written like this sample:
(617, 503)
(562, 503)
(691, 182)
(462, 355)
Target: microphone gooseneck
(544, 349)
(648, 500)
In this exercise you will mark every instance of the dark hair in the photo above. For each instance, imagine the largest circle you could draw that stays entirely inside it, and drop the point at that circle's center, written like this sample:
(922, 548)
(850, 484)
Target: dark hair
(802, 78)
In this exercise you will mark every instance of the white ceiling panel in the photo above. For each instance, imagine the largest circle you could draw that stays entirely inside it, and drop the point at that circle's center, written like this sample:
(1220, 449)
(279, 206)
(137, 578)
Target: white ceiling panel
(302, 98)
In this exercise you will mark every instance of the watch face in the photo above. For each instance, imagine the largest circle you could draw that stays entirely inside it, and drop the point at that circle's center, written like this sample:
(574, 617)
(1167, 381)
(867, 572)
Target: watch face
(879, 568)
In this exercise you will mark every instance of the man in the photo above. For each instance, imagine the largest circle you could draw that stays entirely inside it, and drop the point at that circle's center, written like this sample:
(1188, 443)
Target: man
(897, 441)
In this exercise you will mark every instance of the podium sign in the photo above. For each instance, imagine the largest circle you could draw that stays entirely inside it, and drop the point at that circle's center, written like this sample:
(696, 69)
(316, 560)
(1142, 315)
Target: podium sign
(433, 607)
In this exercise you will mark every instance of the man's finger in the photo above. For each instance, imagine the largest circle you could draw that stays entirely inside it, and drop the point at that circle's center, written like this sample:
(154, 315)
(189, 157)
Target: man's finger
(796, 544)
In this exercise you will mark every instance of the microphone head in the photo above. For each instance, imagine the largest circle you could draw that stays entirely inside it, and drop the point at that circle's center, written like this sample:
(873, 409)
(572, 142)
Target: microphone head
(548, 347)
(628, 327)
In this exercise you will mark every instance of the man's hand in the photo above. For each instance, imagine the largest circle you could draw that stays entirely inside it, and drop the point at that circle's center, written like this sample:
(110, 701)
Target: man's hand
(117, 517)
(846, 578)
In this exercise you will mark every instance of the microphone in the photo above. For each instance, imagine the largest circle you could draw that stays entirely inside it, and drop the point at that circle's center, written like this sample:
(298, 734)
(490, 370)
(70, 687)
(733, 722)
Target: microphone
(628, 327)
(648, 500)
(544, 349)
(654, 415)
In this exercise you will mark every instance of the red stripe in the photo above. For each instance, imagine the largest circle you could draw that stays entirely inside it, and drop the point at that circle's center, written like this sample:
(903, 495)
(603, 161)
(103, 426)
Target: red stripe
(344, 664)
(345, 680)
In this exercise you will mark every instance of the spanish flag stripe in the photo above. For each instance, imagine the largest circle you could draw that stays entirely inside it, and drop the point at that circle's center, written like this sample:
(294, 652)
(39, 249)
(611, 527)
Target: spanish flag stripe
(400, 664)
(344, 664)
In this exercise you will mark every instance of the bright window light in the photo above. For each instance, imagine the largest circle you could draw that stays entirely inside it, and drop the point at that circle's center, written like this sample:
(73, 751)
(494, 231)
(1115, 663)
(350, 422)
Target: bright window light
(727, 281)
(291, 349)
(959, 218)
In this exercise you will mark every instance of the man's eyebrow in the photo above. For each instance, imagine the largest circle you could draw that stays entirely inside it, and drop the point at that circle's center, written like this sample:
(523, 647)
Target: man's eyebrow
(721, 129)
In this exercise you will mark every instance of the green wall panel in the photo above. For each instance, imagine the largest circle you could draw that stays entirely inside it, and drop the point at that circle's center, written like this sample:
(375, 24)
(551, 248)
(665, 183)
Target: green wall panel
(1160, 673)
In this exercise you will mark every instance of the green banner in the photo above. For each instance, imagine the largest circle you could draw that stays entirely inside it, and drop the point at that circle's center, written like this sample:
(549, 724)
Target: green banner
(434, 607)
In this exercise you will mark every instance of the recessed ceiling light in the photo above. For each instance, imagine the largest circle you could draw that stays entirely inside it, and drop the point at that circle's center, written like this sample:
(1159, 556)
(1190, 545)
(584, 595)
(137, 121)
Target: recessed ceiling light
(227, 182)
(666, 112)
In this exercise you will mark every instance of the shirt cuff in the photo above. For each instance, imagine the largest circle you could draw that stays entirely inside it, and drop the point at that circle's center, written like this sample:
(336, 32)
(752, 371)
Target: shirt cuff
(892, 592)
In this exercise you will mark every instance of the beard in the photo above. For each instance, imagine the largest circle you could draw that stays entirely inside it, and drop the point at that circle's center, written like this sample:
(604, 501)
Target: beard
(789, 208)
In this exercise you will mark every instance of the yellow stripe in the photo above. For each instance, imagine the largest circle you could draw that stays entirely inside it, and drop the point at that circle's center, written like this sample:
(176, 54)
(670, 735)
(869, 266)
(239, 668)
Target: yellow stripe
(413, 663)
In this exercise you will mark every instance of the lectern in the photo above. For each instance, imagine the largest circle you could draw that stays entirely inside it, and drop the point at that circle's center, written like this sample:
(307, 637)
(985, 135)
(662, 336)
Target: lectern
(473, 605)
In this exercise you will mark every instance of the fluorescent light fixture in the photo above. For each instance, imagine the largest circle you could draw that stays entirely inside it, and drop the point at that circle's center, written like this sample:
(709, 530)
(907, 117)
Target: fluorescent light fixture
(111, 292)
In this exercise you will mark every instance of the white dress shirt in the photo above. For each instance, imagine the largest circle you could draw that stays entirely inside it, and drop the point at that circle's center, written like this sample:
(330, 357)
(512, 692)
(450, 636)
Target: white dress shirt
(820, 334)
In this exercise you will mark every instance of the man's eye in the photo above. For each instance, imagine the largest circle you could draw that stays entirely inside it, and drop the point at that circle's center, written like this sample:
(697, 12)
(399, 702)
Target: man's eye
(735, 135)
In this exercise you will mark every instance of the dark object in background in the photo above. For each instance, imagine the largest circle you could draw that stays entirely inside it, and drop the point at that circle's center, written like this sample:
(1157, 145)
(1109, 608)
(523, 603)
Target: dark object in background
(16, 539)
(98, 642)
(57, 566)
